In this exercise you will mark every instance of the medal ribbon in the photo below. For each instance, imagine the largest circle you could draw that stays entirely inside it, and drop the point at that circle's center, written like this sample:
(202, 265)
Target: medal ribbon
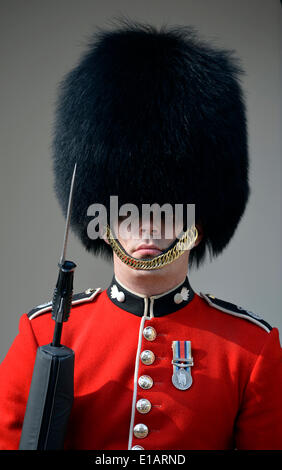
(181, 355)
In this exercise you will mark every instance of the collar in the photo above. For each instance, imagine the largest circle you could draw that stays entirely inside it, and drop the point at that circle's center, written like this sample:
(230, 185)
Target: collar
(153, 306)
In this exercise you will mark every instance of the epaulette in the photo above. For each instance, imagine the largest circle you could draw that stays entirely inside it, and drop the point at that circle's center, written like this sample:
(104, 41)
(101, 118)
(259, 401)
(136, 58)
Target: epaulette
(86, 296)
(236, 311)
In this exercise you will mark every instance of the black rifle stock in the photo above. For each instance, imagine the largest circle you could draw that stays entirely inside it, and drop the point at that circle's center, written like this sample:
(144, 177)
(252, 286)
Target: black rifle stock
(51, 392)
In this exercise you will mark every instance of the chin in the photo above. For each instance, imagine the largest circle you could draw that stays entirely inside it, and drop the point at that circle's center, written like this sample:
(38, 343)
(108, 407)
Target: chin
(149, 273)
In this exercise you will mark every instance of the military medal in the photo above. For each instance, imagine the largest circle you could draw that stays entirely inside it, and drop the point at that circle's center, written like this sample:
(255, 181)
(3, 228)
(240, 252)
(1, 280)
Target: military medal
(182, 362)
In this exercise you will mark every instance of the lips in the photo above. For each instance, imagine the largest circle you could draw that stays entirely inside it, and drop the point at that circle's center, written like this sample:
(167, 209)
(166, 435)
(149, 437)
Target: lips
(148, 250)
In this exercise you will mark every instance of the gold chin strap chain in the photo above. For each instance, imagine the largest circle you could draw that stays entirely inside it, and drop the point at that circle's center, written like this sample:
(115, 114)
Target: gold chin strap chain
(186, 242)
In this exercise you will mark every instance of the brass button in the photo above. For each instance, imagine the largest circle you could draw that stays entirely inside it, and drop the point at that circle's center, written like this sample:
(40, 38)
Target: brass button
(137, 448)
(147, 357)
(149, 333)
(211, 296)
(145, 382)
(140, 430)
(143, 406)
(89, 291)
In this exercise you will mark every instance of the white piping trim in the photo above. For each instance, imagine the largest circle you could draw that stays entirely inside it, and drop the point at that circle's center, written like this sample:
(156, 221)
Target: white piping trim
(168, 291)
(130, 290)
(43, 310)
(152, 296)
(135, 381)
(239, 315)
(78, 301)
(151, 308)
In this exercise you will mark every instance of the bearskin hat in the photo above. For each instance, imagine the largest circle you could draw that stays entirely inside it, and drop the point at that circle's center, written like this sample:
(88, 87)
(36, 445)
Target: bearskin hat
(154, 115)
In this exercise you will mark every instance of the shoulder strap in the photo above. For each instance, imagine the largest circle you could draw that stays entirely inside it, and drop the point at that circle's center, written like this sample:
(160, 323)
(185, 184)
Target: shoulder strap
(236, 311)
(86, 296)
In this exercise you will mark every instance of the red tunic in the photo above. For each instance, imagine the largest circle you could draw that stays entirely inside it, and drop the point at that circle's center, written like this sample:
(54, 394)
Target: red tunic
(234, 400)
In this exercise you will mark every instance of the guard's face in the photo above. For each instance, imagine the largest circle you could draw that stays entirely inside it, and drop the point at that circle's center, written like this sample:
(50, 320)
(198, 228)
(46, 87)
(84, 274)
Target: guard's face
(146, 238)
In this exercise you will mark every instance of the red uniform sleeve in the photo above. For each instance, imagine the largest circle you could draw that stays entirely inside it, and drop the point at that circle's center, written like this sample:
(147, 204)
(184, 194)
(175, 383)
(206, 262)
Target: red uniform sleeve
(259, 424)
(15, 379)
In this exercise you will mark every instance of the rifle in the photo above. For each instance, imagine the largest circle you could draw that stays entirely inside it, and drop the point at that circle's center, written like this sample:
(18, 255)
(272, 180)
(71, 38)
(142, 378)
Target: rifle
(51, 392)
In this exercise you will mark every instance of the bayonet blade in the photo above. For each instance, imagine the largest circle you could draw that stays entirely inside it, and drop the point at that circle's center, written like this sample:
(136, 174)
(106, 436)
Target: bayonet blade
(67, 226)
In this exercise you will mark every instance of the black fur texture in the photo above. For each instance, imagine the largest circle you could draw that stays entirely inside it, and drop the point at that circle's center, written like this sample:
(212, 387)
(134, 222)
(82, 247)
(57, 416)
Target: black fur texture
(154, 116)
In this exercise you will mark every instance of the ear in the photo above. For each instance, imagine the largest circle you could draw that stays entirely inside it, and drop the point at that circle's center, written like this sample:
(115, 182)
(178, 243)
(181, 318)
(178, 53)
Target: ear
(106, 240)
(103, 236)
(200, 234)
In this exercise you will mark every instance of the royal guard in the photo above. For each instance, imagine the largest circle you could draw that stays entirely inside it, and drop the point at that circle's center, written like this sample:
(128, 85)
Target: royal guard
(154, 116)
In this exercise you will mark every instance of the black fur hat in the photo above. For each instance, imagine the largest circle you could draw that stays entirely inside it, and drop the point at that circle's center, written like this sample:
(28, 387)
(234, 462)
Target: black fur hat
(154, 116)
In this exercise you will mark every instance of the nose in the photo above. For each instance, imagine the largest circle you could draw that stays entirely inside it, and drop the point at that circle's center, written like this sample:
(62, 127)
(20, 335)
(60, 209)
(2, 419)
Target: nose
(149, 229)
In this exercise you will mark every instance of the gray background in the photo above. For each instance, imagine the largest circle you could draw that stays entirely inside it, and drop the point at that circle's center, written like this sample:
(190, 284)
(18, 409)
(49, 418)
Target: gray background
(40, 41)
